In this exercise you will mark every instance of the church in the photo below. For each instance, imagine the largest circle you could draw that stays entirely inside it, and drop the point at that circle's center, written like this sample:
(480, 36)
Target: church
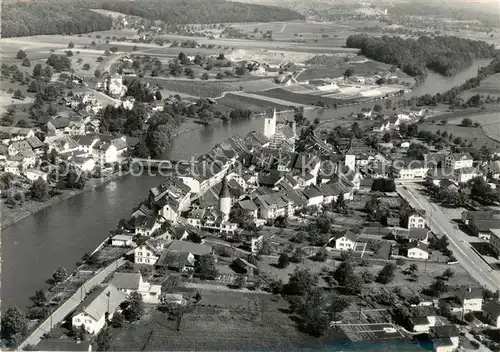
(282, 134)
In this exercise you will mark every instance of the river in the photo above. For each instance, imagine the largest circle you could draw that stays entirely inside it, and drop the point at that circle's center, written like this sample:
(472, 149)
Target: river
(59, 235)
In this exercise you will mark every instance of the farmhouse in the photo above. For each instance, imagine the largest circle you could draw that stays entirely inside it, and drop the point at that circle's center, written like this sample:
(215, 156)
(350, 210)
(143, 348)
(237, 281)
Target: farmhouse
(149, 252)
(345, 240)
(471, 298)
(458, 161)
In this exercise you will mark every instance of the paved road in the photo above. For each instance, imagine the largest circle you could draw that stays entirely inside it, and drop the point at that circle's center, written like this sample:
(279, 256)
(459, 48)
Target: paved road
(67, 307)
(440, 224)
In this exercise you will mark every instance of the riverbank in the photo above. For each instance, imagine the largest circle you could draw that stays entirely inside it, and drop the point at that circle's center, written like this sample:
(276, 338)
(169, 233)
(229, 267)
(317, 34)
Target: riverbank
(11, 216)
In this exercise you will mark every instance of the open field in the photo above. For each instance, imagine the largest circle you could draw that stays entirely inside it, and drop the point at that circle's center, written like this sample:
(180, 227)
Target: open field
(233, 101)
(469, 134)
(222, 320)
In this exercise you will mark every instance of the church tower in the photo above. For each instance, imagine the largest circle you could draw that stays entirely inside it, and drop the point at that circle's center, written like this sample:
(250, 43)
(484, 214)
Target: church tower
(270, 125)
(225, 200)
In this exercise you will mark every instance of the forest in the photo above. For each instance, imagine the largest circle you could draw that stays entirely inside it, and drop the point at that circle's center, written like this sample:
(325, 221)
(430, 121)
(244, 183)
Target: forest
(200, 11)
(445, 55)
(23, 19)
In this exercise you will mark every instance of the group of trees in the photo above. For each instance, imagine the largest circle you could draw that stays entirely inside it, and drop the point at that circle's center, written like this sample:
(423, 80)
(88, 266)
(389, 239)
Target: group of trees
(198, 11)
(34, 18)
(59, 62)
(445, 55)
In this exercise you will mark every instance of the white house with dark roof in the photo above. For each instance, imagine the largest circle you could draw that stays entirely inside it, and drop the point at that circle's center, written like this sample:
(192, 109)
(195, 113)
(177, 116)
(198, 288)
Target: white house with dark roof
(16, 133)
(34, 174)
(458, 161)
(149, 252)
(418, 250)
(465, 174)
(345, 240)
(423, 318)
(91, 313)
(445, 338)
(273, 205)
(134, 282)
(418, 235)
(17, 147)
(471, 298)
(416, 219)
(146, 226)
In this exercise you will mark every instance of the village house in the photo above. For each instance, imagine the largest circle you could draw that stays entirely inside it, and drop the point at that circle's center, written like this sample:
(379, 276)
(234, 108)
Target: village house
(273, 205)
(249, 206)
(96, 307)
(122, 240)
(445, 338)
(18, 147)
(423, 318)
(149, 252)
(417, 250)
(182, 262)
(86, 143)
(410, 169)
(82, 163)
(197, 250)
(493, 170)
(456, 161)
(417, 112)
(36, 145)
(418, 235)
(495, 240)
(105, 152)
(470, 298)
(59, 126)
(16, 133)
(62, 144)
(415, 219)
(464, 175)
(14, 164)
(170, 198)
(481, 223)
(146, 226)
(33, 175)
(345, 240)
(211, 220)
(134, 282)
(491, 312)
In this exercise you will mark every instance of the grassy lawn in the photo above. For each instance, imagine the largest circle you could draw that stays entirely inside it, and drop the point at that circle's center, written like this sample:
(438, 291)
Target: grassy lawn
(232, 101)
(220, 321)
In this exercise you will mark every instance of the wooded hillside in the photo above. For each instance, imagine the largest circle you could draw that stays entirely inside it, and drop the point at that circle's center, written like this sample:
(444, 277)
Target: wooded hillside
(23, 19)
(200, 11)
(445, 55)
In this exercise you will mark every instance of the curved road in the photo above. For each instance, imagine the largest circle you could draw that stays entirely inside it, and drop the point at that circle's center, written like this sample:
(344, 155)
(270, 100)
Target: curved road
(439, 223)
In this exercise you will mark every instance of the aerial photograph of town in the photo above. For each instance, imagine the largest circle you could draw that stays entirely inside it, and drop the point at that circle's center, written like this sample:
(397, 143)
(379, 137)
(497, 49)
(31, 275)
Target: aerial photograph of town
(250, 175)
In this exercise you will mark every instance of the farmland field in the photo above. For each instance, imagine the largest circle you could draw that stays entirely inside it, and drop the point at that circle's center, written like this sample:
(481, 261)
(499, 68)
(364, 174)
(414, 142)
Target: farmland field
(233, 101)
(305, 99)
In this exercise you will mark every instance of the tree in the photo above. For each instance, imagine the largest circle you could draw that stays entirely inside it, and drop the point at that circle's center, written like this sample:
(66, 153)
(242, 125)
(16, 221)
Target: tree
(312, 310)
(14, 326)
(26, 62)
(337, 305)
(242, 217)
(60, 275)
(321, 255)
(301, 282)
(103, 340)
(40, 298)
(283, 261)
(22, 123)
(344, 272)
(413, 268)
(86, 67)
(33, 87)
(97, 73)
(447, 274)
(378, 108)
(71, 45)
(349, 72)
(386, 275)
(17, 94)
(437, 288)
(135, 307)
(466, 122)
(205, 267)
(158, 95)
(204, 76)
(21, 54)
(241, 70)
(353, 284)
(39, 190)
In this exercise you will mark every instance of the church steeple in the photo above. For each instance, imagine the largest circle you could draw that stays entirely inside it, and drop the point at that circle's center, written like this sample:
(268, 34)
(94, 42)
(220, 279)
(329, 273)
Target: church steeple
(225, 200)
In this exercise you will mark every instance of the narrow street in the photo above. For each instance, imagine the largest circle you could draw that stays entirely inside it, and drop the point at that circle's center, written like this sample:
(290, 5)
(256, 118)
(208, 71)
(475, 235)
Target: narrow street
(440, 224)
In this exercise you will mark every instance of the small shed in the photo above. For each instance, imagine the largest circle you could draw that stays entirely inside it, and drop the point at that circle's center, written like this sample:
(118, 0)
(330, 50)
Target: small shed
(121, 241)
